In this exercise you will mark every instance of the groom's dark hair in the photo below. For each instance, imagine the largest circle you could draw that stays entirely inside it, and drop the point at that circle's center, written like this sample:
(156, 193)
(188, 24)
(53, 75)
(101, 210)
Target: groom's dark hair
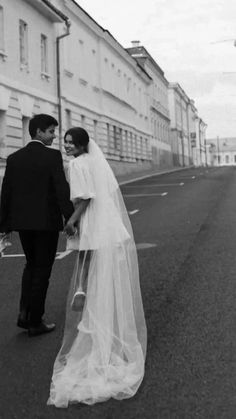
(42, 121)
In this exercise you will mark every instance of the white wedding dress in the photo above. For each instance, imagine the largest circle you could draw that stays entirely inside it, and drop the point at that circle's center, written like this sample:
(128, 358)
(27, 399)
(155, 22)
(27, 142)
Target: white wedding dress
(104, 346)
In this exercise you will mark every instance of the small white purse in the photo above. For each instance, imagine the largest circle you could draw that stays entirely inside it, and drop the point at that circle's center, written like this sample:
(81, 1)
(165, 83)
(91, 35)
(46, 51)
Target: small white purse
(4, 242)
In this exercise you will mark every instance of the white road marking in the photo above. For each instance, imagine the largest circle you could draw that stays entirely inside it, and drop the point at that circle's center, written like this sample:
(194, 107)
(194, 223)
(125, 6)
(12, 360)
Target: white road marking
(187, 177)
(133, 212)
(61, 255)
(13, 256)
(155, 185)
(144, 194)
(140, 246)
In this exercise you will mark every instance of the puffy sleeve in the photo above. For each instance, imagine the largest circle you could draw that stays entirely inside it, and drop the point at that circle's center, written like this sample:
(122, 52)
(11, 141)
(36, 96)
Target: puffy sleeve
(81, 182)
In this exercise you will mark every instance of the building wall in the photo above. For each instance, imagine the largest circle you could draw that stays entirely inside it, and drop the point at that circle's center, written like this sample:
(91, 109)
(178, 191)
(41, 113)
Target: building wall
(103, 89)
(179, 126)
(159, 117)
(102, 84)
(188, 130)
(123, 107)
(24, 89)
(221, 151)
(192, 114)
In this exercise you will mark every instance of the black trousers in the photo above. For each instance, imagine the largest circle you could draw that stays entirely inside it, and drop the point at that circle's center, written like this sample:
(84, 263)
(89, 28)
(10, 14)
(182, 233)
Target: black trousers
(40, 250)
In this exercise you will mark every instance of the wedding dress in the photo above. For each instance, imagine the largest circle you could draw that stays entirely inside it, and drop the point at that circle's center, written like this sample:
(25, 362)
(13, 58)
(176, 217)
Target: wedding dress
(104, 345)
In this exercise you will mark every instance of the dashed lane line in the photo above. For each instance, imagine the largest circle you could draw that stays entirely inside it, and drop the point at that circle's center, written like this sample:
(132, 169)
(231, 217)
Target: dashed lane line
(133, 212)
(61, 255)
(187, 177)
(140, 195)
(141, 246)
(155, 185)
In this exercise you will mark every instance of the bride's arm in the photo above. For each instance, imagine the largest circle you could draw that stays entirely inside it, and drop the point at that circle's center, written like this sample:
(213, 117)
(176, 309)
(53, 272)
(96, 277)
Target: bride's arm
(73, 222)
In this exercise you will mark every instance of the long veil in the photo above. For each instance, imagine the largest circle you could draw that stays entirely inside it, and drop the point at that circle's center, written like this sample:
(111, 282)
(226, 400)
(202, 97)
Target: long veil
(104, 346)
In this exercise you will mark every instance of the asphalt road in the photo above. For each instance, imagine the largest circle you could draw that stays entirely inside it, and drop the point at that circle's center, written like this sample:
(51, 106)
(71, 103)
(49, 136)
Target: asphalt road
(188, 280)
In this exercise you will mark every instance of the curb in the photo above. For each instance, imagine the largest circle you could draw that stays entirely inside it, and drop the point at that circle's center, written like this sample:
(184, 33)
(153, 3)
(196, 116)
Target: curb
(153, 174)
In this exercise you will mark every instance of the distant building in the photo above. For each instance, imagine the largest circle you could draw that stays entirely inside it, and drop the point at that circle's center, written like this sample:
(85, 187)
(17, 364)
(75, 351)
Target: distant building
(158, 106)
(221, 151)
(187, 129)
(54, 58)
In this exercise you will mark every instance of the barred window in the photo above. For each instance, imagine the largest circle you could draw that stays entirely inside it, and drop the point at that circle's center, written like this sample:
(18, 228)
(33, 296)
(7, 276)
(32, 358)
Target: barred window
(44, 54)
(23, 35)
(1, 29)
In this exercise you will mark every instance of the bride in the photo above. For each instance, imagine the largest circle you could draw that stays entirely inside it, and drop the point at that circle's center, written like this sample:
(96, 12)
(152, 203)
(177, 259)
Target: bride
(104, 344)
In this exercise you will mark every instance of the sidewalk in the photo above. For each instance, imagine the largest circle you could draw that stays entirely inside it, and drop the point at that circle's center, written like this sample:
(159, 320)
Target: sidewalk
(132, 177)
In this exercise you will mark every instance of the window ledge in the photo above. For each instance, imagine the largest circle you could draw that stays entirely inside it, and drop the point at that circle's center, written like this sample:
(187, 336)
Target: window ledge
(68, 73)
(3, 55)
(96, 89)
(83, 82)
(45, 76)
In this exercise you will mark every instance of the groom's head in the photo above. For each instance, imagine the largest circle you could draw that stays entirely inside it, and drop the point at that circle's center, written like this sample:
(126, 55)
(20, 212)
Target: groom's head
(42, 128)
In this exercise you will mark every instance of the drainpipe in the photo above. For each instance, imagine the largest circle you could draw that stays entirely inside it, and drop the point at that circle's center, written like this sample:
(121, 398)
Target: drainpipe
(68, 24)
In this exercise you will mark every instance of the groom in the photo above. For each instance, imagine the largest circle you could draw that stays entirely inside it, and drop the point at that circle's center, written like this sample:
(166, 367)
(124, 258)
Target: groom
(34, 199)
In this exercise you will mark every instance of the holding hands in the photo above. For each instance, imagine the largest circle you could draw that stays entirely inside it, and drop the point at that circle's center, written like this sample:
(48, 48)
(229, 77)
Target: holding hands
(70, 229)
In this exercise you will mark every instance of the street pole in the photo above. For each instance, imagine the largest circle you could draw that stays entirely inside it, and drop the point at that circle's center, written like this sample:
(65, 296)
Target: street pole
(205, 150)
(58, 39)
(218, 149)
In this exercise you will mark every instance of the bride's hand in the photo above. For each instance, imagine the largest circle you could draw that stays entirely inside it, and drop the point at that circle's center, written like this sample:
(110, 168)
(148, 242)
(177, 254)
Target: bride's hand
(69, 229)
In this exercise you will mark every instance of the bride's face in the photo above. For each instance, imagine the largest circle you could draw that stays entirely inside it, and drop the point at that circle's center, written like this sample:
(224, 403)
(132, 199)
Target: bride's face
(70, 148)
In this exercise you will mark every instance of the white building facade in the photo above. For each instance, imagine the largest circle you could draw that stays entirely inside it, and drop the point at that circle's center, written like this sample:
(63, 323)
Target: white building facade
(188, 131)
(178, 105)
(54, 58)
(221, 151)
(27, 69)
(159, 110)
(102, 87)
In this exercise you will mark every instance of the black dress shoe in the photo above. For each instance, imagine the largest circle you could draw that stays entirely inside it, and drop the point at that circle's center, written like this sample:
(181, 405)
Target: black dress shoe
(22, 321)
(41, 329)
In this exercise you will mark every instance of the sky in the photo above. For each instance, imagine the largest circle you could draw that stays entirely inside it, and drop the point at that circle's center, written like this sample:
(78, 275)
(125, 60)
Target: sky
(193, 43)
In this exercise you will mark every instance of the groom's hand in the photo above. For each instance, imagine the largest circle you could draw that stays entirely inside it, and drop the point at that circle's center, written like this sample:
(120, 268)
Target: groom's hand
(70, 229)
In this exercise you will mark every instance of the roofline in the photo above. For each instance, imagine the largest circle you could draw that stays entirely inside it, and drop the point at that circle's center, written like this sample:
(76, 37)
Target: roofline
(106, 31)
(57, 11)
(151, 59)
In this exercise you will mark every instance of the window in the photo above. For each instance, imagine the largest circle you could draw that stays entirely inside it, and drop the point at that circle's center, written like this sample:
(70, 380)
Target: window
(68, 119)
(146, 148)
(234, 158)
(3, 134)
(23, 34)
(125, 145)
(83, 121)
(44, 54)
(95, 123)
(83, 70)
(1, 30)
(108, 137)
(116, 137)
(25, 129)
(227, 159)
(120, 139)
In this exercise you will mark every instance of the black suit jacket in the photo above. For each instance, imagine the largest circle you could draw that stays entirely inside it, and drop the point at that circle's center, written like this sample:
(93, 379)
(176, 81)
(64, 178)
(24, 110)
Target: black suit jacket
(35, 194)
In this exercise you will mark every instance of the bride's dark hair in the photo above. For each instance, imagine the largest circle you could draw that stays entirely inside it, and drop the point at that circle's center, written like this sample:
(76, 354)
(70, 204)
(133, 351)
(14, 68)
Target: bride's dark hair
(79, 136)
